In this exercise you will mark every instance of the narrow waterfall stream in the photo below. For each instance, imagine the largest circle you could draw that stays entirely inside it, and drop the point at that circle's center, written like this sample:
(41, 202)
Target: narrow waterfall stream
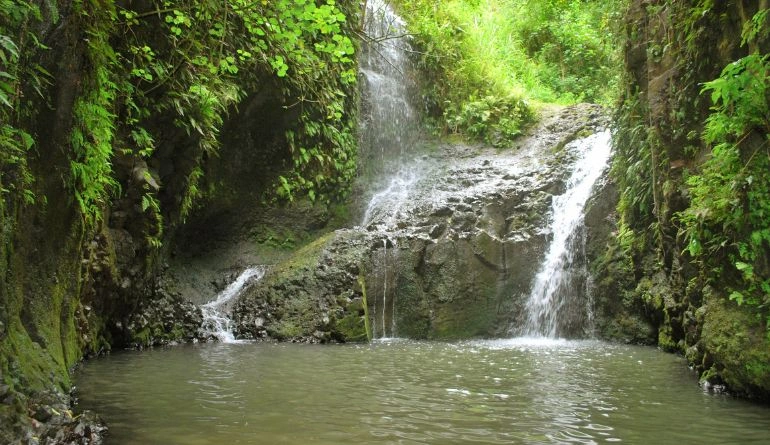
(389, 129)
(216, 324)
(550, 307)
(389, 121)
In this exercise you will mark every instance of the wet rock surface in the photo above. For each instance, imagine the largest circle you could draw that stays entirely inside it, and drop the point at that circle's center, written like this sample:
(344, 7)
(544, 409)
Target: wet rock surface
(49, 420)
(446, 250)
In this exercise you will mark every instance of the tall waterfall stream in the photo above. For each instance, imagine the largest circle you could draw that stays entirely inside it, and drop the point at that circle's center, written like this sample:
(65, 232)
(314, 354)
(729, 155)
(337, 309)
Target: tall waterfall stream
(389, 131)
(554, 285)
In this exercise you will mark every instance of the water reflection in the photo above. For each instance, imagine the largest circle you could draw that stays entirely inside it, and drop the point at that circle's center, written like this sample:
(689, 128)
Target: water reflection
(401, 392)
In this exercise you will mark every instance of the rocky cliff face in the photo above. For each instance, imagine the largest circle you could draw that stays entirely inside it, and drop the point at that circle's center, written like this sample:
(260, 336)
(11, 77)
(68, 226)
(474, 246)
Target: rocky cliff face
(663, 294)
(449, 252)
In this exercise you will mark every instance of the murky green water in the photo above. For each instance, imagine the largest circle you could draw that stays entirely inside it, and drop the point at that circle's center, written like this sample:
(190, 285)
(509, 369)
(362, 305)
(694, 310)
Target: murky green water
(498, 392)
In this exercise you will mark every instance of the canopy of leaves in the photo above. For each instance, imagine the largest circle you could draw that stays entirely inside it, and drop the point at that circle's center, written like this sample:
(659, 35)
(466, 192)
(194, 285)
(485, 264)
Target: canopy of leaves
(188, 63)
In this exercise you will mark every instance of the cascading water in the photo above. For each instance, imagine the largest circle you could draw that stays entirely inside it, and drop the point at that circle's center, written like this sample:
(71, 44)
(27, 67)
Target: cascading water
(389, 128)
(216, 324)
(384, 258)
(552, 308)
(389, 121)
(384, 206)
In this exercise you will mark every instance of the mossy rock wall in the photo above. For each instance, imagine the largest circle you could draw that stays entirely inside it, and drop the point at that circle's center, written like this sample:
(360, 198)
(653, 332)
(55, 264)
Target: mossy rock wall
(658, 292)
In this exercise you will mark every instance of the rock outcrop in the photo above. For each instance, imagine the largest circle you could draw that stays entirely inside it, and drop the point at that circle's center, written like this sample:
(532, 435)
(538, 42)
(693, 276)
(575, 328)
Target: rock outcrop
(447, 250)
(663, 295)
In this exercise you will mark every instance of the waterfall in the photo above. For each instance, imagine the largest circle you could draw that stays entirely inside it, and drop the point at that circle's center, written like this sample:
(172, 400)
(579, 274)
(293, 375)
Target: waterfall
(389, 121)
(553, 308)
(384, 206)
(384, 286)
(389, 129)
(216, 324)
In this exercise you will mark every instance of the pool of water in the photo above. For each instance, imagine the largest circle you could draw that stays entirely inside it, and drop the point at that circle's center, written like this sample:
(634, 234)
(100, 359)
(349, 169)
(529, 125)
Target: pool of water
(520, 391)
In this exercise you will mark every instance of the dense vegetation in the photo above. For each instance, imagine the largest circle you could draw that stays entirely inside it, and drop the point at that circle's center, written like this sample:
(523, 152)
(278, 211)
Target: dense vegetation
(692, 160)
(490, 63)
(110, 116)
(728, 222)
(188, 64)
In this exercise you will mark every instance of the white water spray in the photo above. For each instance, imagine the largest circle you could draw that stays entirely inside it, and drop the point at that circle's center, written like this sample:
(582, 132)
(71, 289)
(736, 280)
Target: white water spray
(552, 288)
(385, 206)
(215, 323)
(389, 120)
(389, 129)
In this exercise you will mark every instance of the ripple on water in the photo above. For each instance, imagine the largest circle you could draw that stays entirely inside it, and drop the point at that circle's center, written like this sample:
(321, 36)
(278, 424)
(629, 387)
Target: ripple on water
(510, 391)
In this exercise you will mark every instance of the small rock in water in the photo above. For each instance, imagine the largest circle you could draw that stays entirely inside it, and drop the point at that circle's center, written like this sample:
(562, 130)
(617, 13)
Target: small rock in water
(442, 211)
(437, 230)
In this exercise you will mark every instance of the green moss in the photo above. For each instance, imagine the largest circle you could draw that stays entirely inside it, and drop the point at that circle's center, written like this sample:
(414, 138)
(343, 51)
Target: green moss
(286, 329)
(736, 341)
(629, 328)
(367, 324)
(352, 328)
(665, 340)
(306, 257)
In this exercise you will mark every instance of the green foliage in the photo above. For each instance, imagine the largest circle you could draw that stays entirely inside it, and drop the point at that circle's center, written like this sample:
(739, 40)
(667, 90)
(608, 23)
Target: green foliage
(17, 44)
(489, 53)
(728, 222)
(184, 64)
(495, 120)
(220, 51)
(94, 115)
(756, 28)
(15, 177)
(632, 166)
(574, 46)
(9, 55)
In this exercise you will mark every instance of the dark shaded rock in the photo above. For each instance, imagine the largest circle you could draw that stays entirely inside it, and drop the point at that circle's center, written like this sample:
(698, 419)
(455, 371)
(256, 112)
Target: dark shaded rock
(443, 211)
(163, 320)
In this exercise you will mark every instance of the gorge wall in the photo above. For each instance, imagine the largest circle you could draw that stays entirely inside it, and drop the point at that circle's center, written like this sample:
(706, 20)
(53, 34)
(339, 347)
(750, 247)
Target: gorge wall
(673, 267)
(112, 116)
